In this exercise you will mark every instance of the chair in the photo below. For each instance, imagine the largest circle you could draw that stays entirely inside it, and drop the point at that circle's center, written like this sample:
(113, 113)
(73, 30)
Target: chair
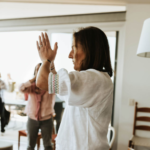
(113, 136)
(136, 140)
(23, 133)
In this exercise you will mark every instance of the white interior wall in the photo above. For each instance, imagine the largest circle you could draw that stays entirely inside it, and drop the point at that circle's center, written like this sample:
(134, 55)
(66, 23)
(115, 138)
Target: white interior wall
(28, 10)
(136, 73)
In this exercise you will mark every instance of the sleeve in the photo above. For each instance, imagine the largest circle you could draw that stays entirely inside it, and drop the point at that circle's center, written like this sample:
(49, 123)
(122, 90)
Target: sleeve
(25, 87)
(59, 84)
(75, 87)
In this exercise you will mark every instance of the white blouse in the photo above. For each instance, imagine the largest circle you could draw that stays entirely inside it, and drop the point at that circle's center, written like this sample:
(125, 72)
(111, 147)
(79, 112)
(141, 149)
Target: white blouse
(89, 98)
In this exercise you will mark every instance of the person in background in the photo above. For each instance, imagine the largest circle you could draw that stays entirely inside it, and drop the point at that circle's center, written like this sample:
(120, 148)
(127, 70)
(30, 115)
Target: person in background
(4, 114)
(58, 112)
(11, 83)
(40, 109)
(87, 91)
(2, 86)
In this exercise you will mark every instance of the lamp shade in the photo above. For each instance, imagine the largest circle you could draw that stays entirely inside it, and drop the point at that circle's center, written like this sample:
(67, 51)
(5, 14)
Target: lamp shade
(144, 44)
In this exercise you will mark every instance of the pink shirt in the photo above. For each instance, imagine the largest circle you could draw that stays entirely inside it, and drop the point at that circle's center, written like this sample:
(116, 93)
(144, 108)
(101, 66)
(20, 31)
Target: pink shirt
(46, 104)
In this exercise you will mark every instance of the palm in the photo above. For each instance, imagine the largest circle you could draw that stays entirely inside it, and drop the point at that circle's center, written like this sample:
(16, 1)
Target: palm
(44, 48)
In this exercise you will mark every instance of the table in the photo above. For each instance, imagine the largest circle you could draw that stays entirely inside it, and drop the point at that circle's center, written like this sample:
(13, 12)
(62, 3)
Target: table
(15, 103)
(6, 145)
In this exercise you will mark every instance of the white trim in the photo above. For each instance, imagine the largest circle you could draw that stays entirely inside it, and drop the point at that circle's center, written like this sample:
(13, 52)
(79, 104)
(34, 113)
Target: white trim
(119, 83)
(85, 2)
(107, 26)
(63, 21)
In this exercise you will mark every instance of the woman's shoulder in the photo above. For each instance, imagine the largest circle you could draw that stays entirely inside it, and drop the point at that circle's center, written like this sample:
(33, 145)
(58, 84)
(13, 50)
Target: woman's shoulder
(86, 76)
(100, 77)
(91, 73)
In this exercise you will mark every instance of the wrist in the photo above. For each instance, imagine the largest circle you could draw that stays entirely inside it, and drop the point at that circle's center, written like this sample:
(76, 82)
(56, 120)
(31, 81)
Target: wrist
(54, 71)
(46, 64)
(47, 61)
(52, 68)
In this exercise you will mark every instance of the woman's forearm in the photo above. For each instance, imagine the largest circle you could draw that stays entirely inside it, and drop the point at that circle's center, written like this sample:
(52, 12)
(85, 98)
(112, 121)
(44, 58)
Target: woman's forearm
(42, 76)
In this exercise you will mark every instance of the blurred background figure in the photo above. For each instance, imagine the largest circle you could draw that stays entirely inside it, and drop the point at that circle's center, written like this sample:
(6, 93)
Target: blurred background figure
(11, 83)
(40, 110)
(59, 109)
(4, 114)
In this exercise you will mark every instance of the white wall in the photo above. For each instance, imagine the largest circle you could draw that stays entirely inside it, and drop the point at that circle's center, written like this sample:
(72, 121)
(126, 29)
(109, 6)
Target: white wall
(136, 73)
(19, 10)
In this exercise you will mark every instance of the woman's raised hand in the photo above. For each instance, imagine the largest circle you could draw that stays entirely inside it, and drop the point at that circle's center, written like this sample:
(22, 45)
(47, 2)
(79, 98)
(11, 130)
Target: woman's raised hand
(44, 48)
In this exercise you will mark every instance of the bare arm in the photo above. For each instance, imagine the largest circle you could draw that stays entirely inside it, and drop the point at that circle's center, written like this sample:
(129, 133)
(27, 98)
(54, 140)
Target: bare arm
(42, 76)
(45, 53)
(26, 87)
(26, 90)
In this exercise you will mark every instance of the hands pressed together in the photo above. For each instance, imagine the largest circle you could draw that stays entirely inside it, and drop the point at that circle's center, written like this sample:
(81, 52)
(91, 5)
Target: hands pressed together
(44, 48)
(47, 56)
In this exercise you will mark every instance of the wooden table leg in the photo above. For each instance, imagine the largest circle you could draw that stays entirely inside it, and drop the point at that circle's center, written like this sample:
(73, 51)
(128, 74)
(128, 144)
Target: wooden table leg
(18, 140)
(38, 143)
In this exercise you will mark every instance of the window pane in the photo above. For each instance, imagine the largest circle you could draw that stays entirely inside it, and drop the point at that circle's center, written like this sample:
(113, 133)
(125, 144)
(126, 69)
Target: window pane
(18, 54)
(64, 47)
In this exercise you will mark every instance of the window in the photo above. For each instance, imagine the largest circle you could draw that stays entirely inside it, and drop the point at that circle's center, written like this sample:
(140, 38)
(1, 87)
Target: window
(18, 54)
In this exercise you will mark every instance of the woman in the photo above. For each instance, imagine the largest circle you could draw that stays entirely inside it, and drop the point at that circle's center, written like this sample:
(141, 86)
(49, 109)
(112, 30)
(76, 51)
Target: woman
(40, 111)
(88, 91)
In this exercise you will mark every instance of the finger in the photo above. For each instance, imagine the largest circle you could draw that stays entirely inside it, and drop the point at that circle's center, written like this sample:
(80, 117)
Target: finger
(47, 40)
(37, 44)
(47, 45)
(40, 42)
(43, 39)
(55, 47)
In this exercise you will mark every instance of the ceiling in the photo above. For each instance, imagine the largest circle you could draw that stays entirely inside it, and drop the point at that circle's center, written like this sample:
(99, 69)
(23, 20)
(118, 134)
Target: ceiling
(85, 2)
(11, 10)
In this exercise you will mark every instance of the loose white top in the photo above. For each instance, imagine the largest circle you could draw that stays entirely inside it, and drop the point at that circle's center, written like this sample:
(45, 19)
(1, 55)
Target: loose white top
(89, 97)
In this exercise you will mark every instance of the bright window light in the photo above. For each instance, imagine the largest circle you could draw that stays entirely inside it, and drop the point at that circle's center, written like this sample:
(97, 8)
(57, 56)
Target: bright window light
(18, 54)
(64, 41)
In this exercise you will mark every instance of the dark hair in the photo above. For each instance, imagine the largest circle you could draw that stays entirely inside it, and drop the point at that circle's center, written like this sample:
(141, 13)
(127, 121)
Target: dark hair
(95, 45)
(35, 67)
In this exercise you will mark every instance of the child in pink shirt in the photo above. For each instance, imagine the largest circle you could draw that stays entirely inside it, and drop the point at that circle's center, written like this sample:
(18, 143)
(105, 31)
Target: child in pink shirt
(40, 109)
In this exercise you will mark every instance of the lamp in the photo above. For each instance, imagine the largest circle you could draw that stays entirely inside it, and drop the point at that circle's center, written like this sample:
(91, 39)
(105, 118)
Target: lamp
(144, 44)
